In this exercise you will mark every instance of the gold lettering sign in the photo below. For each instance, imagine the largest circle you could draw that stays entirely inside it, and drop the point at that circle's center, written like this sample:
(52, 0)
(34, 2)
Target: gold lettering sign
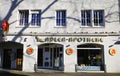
(68, 39)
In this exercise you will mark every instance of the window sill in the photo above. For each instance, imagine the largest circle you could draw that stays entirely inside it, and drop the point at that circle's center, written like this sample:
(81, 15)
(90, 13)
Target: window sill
(98, 26)
(85, 26)
(28, 26)
(59, 26)
(92, 26)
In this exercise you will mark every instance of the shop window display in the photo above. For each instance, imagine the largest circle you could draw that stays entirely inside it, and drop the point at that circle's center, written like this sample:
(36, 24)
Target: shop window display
(92, 57)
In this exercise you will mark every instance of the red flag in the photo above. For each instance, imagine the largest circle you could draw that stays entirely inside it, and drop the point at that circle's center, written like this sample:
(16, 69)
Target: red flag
(5, 25)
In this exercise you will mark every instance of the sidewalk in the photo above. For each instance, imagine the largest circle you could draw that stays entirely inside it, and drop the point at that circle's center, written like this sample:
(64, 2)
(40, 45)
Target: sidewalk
(20, 73)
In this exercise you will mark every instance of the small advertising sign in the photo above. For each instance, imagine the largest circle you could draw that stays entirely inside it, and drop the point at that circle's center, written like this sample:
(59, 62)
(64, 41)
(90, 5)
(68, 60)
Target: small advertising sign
(69, 51)
(113, 51)
(29, 51)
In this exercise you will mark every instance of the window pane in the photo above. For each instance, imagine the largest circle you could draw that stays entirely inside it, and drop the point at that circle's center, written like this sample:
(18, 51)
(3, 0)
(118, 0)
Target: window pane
(38, 19)
(63, 18)
(83, 17)
(83, 22)
(99, 18)
(88, 18)
(58, 18)
(24, 16)
(95, 18)
(21, 19)
(33, 19)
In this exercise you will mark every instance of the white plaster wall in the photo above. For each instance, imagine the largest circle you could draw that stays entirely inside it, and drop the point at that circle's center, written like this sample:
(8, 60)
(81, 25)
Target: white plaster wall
(73, 7)
(70, 60)
(112, 62)
(29, 60)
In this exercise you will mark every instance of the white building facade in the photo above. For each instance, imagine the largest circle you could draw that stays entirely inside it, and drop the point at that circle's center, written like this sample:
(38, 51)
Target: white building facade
(62, 35)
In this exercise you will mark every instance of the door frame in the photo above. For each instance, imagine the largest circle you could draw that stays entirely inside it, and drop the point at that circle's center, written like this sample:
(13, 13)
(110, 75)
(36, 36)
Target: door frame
(51, 48)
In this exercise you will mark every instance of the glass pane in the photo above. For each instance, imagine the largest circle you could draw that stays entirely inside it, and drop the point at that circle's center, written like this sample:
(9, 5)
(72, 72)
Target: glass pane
(95, 18)
(89, 18)
(58, 18)
(33, 19)
(64, 18)
(21, 19)
(83, 21)
(38, 19)
(46, 49)
(24, 16)
(82, 18)
(89, 57)
(40, 57)
(101, 16)
(46, 64)
(51, 57)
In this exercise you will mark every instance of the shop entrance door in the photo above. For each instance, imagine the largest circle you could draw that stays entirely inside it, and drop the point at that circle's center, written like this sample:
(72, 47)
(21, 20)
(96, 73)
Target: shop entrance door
(7, 59)
(50, 57)
(47, 57)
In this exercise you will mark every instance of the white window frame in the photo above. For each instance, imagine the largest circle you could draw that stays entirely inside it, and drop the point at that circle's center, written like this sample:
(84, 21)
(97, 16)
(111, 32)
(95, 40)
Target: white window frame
(85, 18)
(19, 18)
(62, 26)
(98, 18)
(92, 18)
(29, 18)
(35, 12)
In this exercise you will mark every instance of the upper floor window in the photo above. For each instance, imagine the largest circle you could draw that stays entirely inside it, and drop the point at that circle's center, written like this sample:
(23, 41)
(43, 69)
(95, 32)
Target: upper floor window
(36, 18)
(24, 17)
(98, 18)
(31, 18)
(86, 18)
(61, 18)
